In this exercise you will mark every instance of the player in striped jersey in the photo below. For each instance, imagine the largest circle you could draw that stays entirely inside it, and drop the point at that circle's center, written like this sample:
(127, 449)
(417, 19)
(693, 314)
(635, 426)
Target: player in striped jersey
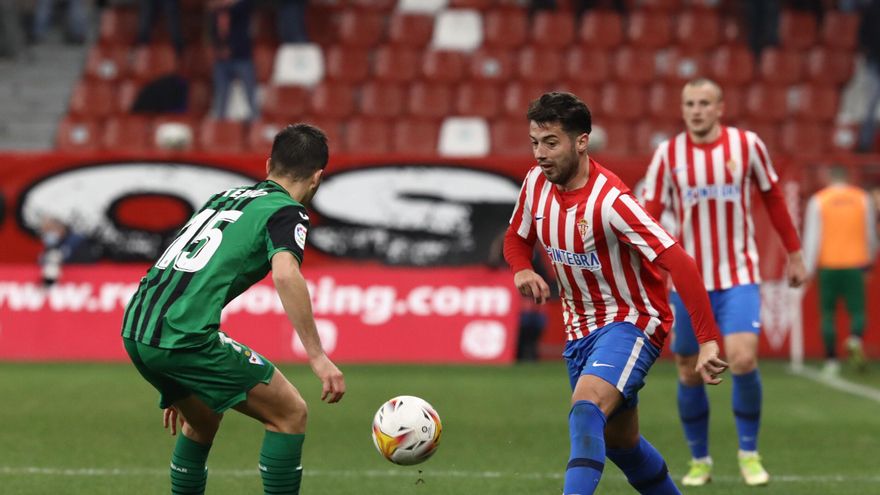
(604, 248)
(171, 325)
(704, 177)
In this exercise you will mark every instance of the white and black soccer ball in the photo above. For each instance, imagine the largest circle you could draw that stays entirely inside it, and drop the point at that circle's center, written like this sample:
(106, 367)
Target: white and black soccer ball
(406, 430)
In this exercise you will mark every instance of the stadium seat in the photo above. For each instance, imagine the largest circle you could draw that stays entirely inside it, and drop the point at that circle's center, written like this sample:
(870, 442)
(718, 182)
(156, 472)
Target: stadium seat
(517, 96)
(264, 26)
(508, 28)
(767, 132)
(477, 100)
(284, 103)
(698, 29)
(199, 98)
(839, 30)
(335, 100)
(429, 100)
(617, 137)
(732, 30)
(422, 6)
(552, 29)
(261, 135)
(163, 121)
(797, 29)
(843, 137)
(93, 100)
(664, 101)
(127, 91)
(118, 26)
(734, 104)
(457, 30)
(600, 29)
(298, 64)
(359, 28)
(221, 136)
(412, 30)
(367, 136)
(491, 64)
(77, 135)
(780, 66)
(322, 24)
(381, 99)
(804, 138)
(731, 65)
(510, 137)
(829, 66)
(264, 61)
(662, 6)
(648, 29)
(332, 128)
(347, 64)
(587, 65)
(813, 103)
(415, 136)
(107, 62)
(472, 4)
(127, 133)
(152, 61)
(765, 103)
(588, 93)
(679, 65)
(633, 65)
(396, 63)
(374, 5)
(539, 65)
(198, 61)
(464, 137)
(650, 133)
(621, 101)
(443, 66)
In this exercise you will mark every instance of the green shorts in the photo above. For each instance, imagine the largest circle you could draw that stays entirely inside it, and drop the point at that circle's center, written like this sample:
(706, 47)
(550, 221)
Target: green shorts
(219, 373)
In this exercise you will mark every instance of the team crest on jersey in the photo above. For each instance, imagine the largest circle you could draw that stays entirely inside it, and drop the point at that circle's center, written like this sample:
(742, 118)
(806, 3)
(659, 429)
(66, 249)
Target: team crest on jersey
(582, 227)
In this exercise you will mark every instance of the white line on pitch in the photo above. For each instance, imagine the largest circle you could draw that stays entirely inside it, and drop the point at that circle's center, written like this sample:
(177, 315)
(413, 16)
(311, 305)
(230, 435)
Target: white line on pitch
(841, 384)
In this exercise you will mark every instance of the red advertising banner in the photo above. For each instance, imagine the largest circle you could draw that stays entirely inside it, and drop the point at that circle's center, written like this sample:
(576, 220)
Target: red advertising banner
(466, 315)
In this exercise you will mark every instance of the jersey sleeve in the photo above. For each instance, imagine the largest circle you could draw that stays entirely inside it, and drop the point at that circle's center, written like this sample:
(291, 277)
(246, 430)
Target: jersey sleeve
(762, 166)
(522, 221)
(286, 230)
(634, 227)
(657, 183)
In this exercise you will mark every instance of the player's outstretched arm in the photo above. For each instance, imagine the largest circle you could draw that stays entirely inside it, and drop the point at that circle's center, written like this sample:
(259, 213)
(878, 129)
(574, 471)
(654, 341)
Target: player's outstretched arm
(294, 294)
(518, 254)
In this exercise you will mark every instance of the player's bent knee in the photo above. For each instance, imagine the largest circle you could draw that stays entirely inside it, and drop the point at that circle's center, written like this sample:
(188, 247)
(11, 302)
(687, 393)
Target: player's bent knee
(743, 363)
(292, 416)
(203, 430)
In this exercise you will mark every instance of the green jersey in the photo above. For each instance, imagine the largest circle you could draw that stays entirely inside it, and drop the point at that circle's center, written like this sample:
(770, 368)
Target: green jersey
(226, 247)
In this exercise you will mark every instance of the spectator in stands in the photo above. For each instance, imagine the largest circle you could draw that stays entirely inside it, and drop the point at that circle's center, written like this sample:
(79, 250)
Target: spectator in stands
(840, 239)
(292, 21)
(77, 20)
(579, 6)
(147, 20)
(762, 24)
(230, 32)
(869, 39)
(61, 245)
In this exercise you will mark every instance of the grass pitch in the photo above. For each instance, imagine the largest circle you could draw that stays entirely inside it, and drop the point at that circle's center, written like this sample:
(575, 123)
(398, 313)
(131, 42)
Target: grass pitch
(95, 429)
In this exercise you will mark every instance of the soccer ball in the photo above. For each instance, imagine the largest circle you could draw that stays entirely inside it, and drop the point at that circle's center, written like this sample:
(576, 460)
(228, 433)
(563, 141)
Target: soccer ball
(406, 430)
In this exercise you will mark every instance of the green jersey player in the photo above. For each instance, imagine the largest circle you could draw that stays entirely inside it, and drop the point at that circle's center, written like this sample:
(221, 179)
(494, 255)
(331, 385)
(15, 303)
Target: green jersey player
(171, 327)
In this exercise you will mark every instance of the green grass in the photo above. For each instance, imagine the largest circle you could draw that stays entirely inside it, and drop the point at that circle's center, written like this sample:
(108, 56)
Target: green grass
(95, 429)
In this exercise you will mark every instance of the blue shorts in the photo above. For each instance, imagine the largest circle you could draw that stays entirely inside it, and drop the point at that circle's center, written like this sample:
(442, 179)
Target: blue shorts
(618, 353)
(737, 309)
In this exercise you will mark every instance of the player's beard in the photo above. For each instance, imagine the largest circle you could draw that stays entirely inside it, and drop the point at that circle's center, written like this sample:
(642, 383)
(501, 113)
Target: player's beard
(564, 168)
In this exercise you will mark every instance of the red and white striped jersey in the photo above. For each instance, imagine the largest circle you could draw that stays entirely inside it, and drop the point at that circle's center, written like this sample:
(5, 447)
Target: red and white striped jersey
(598, 239)
(707, 187)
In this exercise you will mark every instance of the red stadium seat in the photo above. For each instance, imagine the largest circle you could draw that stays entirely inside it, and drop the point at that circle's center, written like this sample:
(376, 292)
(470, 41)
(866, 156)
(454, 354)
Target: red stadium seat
(261, 135)
(399, 64)
(77, 135)
(804, 138)
(332, 128)
(517, 96)
(152, 61)
(93, 99)
(443, 66)
(734, 104)
(664, 101)
(198, 61)
(828, 66)
(648, 30)
(107, 62)
(472, 4)
(732, 30)
(767, 132)
(587, 65)
(379, 99)
(840, 30)
(200, 98)
(374, 5)
(510, 137)
(779, 66)
(172, 118)
(539, 65)
(618, 137)
(264, 61)
(415, 136)
(429, 100)
(600, 29)
(813, 103)
(698, 29)
(797, 29)
(588, 93)
(679, 65)
(127, 91)
(221, 136)
(410, 29)
(650, 133)
(367, 136)
(346, 64)
(663, 6)
(335, 100)
(129, 132)
(322, 24)
(633, 65)
(361, 28)
(118, 26)
(477, 100)
(284, 103)
(731, 65)
(552, 29)
(507, 28)
(621, 101)
(766, 103)
(264, 27)
(491, 64)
